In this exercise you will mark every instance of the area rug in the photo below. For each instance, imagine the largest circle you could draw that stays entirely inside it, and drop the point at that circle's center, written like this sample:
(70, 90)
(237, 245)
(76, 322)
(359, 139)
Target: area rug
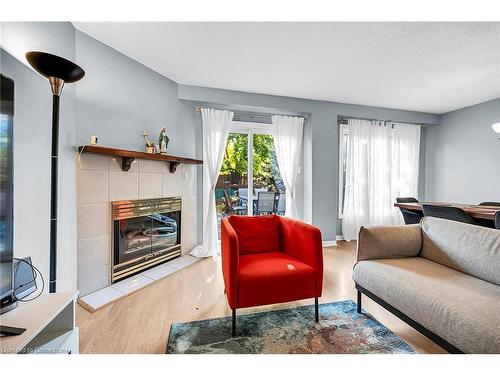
(340, 330)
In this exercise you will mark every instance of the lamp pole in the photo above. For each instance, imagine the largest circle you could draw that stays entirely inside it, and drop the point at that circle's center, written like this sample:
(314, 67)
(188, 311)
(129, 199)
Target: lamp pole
(58, 71)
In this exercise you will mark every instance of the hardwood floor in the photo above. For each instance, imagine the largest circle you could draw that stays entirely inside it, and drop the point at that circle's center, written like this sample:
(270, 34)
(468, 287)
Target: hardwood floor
(140, 323)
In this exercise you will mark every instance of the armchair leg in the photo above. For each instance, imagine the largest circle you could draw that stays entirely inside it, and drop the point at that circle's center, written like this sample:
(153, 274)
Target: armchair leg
(359, 302)
(316, 310)
(233, 332)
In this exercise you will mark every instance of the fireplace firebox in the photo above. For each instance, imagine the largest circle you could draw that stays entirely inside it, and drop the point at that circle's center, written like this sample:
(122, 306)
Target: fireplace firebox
(146, 232)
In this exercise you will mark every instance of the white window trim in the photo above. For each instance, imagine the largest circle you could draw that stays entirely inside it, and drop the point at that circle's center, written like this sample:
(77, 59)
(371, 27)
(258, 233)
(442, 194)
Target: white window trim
(343, 130)
(254, 127)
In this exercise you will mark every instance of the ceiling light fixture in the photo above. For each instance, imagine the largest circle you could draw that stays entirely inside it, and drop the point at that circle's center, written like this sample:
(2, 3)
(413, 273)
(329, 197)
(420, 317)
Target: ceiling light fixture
(496, 127)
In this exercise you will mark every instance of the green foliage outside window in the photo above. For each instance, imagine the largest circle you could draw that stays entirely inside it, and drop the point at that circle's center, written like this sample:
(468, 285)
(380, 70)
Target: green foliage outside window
(265, 166)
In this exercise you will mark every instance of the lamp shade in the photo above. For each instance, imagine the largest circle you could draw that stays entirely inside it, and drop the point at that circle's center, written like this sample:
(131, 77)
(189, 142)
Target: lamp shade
(496, 127)
(49, 65)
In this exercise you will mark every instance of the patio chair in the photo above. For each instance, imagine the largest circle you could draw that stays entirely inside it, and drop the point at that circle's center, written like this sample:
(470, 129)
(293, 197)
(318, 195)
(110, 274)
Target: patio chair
(230, 208)
(258, 190)
(281, 207)
(266, 202)
(243, 194)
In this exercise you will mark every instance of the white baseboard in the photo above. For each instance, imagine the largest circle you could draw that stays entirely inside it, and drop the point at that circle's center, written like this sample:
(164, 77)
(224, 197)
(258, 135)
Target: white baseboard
(340, 237)
(329, 243)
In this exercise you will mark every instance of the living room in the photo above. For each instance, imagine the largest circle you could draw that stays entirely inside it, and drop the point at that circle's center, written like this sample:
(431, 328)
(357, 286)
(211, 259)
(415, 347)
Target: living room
(250, 187)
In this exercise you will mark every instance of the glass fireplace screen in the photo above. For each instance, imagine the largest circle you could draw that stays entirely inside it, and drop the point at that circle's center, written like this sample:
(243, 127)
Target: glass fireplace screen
(145, 233)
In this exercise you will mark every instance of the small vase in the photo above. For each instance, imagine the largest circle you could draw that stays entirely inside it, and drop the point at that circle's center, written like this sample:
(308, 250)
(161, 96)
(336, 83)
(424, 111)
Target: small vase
(150, 149)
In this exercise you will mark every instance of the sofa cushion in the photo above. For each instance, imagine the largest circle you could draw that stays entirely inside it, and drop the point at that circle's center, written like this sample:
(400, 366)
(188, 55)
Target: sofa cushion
(273, 278)
(383, 242)
(462, 309)
(464, 247)
(256, 234)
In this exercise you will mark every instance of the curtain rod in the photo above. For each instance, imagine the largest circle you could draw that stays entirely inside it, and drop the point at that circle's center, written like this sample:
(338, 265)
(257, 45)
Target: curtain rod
(251, 114)
(343, 121)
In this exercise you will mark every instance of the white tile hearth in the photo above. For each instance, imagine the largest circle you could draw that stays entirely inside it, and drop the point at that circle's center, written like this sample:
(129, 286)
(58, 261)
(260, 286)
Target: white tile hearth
(182, 262)
(132, 283)
(107, 295)
(157, 273)
(101, 298)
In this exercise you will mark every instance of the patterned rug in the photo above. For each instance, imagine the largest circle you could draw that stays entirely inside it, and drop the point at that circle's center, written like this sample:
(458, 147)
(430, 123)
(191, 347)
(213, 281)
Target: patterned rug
(340, 330)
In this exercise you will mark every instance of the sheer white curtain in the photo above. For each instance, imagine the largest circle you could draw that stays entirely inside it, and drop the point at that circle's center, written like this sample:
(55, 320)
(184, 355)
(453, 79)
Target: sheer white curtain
(287, 143)
(382, 164)
(216, 126)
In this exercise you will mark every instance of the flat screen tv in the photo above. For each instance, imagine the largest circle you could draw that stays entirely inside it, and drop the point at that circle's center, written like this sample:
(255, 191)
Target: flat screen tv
(7, 299)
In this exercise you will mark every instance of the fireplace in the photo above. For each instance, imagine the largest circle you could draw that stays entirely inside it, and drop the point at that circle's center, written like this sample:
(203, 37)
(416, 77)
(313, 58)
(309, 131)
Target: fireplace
(146, 232)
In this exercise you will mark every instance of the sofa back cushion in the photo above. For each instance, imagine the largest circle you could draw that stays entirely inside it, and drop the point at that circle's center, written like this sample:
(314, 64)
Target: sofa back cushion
(256, 234)
(467, 248)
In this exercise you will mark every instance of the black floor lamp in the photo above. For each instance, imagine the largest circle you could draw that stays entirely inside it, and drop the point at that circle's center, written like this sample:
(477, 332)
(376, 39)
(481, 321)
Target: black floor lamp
(58, 71)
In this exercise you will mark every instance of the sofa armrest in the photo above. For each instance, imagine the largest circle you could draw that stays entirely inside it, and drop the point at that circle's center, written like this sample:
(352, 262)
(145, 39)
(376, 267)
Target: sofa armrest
(303, 241)
(389, 242)
(230, 262)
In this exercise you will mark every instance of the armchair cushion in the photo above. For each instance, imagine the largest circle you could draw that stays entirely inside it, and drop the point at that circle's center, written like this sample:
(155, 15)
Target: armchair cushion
(274, 277)
(256, 234)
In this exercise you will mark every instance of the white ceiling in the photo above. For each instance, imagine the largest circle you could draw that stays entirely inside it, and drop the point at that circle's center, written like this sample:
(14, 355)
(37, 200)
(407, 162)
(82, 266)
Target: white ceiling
(430, 67)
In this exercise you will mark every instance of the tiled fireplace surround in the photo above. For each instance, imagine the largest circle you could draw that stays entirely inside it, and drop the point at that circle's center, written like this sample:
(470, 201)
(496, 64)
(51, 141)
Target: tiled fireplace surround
(101, 181)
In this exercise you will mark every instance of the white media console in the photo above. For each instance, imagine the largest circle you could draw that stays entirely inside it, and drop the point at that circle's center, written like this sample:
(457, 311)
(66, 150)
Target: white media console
(50, 326)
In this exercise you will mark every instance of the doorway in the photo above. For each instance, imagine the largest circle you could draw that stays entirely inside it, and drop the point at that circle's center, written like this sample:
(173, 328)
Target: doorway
(249, 182)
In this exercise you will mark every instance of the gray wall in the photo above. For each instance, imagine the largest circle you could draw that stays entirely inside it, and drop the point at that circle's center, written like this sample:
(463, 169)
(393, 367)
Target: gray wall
(463, 156)
(322, 125)
(119, 98)
(32, 126)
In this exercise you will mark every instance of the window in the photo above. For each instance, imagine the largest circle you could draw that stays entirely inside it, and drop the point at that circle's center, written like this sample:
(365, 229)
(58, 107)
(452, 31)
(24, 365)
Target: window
(343, 142)
(384, 166)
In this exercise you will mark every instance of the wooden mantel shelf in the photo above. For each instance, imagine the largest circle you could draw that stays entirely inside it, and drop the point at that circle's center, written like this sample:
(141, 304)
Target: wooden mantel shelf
(129, 156)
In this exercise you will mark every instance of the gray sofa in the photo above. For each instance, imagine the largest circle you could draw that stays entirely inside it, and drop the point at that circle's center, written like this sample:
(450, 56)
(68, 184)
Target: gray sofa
(442, 277)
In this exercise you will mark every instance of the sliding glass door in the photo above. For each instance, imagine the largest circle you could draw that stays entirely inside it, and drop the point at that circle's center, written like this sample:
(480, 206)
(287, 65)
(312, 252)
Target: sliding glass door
(268, 187)
(249, 182)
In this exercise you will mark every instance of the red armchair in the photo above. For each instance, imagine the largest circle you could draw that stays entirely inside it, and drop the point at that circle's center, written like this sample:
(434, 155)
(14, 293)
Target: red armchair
(270, 259)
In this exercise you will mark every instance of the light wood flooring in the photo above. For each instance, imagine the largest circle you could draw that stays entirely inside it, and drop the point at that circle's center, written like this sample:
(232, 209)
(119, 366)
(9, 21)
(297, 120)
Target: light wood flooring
(140, 323)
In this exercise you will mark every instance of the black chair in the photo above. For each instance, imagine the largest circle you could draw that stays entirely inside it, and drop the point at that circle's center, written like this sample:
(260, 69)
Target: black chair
(281, 205)
(448, 212)
(497, 220)
(409, 216)
(495, 204)
(230, 208)
(266, 202)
